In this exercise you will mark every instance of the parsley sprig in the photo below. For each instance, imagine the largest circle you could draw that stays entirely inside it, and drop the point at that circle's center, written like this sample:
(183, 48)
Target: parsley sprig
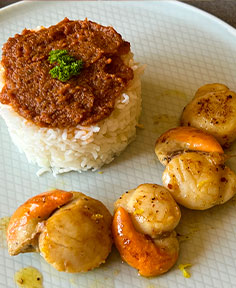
(68, 65)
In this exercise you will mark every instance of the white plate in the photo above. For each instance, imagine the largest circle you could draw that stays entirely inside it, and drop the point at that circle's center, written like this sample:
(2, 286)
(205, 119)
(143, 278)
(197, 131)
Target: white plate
(183, 48)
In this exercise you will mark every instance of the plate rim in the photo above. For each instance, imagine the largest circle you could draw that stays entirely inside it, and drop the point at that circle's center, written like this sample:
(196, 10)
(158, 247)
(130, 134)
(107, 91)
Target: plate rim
(178, 3)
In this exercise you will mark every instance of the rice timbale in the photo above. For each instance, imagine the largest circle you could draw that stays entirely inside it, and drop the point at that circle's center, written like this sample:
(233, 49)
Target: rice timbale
(75, 124)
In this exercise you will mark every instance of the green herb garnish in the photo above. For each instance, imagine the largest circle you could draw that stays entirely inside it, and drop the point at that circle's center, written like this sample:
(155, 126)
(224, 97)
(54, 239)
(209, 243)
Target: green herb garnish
(68, 65)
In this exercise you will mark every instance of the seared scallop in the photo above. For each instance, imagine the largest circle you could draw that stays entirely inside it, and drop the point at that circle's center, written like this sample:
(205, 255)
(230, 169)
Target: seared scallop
(143, 229)
(70, 230)
(77, 237)
(179, 139)
(213, 109)
(195, 172)
(199, 181)
(22, 231)
(152, 208)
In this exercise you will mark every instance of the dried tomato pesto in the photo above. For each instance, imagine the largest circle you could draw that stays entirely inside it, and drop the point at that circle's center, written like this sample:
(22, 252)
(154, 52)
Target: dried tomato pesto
(84, 99)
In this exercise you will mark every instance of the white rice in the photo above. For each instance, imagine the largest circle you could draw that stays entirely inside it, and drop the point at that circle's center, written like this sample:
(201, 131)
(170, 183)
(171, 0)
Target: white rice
(79, 148)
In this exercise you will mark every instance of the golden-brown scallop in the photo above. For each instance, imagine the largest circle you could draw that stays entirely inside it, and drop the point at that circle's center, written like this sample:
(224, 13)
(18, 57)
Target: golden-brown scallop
(73, 238)
(143, 229)
(152, 208)
(213, 109)
(179, 139)
(77, 237)
(199, 181)
(22, 231)
(208, 88)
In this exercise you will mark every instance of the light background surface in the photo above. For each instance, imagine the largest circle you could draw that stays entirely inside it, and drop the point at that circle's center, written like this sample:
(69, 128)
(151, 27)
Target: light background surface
(183, 49)
(224, 9)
